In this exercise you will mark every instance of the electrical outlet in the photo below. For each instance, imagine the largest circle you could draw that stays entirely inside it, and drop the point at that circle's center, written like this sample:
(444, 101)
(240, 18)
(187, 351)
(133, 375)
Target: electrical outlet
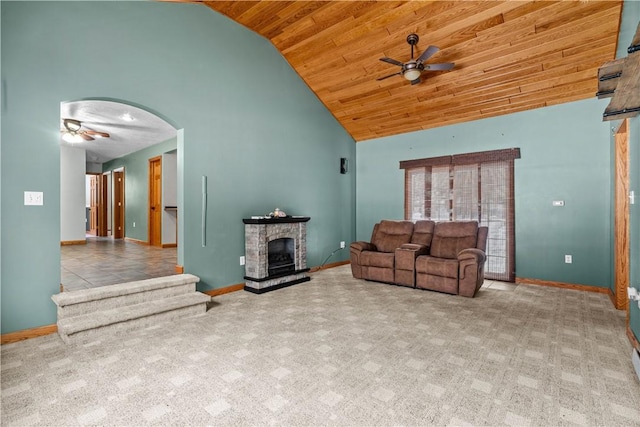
(33, 198)
(568, 259)
(342, 245)
(242, 260)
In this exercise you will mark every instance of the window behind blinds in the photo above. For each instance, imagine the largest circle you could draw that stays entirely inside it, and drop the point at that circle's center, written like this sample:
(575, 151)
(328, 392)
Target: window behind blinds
(475, 186)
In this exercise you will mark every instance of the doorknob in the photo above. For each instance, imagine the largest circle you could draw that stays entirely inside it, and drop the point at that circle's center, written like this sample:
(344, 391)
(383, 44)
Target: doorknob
(153, 208)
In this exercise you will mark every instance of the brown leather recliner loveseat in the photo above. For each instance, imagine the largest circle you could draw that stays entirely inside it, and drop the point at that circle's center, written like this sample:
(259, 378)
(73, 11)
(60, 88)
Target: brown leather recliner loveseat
(446, 256)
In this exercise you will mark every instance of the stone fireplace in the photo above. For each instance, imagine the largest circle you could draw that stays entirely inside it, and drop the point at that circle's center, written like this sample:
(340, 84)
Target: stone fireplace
(275, 253)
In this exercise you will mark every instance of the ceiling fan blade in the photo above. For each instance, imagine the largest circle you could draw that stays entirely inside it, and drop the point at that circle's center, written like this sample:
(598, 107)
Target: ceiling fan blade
(431, 50)
(390, 75)
(391, 61)
(86, 137)
(439, 67)
(95, 132)
(416, 81)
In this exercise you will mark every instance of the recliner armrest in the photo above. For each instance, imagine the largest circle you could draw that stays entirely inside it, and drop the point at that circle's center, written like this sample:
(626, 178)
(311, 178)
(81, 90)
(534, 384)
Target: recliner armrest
(472, 254)
(362, 246)
(419, 249)
(405, 256)
(470, 271)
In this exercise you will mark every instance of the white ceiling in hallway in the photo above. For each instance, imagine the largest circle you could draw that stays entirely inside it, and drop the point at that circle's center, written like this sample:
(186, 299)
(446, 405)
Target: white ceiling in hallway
(130, 128)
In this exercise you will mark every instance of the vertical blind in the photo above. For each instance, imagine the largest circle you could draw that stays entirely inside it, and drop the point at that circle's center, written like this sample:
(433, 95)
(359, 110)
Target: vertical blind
(474, 186)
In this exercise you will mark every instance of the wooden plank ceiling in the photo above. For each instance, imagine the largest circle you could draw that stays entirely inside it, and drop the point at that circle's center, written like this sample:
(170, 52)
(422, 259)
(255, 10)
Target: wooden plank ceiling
(510, 55)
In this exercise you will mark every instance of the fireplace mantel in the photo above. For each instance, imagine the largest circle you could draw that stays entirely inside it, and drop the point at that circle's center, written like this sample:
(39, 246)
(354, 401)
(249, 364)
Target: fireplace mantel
(286, 219)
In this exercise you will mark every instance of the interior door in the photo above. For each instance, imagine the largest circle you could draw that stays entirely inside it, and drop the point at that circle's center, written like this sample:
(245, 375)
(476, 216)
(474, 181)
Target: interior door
(94, 195)
(155, 201)
(118, 204)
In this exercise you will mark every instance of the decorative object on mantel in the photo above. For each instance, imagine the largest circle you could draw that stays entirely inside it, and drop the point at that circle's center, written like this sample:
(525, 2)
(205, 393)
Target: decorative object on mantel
(277, 213)
(620, 80)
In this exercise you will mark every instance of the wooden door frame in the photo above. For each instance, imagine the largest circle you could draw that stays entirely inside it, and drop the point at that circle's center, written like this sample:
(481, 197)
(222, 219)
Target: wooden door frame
(621, 217)
(102, 206)
(96, 231)
(150, 210)
(118, 226)
(101, 183)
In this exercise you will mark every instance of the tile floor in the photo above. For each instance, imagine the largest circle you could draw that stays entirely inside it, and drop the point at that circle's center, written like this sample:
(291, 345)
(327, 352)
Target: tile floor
(105, 261)
(501, 286)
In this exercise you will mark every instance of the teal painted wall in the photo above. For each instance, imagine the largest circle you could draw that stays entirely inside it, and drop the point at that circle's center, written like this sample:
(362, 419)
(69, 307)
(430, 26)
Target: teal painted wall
(565, 156)
(250, 124)
(136, 186)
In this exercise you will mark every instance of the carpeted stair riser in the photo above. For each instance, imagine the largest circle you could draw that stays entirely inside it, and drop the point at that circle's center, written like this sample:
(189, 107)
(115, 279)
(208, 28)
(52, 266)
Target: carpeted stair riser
(139, 323)
(76, 297)
(89, 307)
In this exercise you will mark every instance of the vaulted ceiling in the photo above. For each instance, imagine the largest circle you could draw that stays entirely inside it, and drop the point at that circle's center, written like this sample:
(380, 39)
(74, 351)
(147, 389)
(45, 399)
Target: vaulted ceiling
(509, 55)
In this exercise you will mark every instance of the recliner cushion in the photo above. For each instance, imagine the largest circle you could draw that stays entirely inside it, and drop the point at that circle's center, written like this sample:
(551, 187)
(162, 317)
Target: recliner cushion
(433, 266)
(423, 232)
(377, 259)
(392, 234)
(449, 238)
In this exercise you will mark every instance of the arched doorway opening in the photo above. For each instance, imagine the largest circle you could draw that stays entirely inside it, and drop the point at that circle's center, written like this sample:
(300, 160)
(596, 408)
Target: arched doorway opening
(106, 193)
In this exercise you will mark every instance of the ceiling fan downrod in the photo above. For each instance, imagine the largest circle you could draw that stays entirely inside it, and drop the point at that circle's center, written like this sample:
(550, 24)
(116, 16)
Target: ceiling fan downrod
(412, 39)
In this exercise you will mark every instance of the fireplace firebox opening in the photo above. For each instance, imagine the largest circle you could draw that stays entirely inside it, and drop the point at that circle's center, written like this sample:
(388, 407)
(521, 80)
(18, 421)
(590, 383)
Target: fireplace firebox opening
(281, 256)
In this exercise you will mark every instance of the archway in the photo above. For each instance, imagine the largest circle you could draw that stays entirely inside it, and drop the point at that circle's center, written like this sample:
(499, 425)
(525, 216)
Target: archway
(108, 138)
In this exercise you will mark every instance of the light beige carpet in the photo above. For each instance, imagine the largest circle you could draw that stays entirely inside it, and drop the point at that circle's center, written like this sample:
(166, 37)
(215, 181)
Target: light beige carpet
(340, 351)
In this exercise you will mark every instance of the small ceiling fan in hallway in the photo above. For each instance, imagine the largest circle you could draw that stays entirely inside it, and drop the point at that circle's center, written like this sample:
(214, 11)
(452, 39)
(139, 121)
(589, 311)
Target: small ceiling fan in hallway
(72, 131)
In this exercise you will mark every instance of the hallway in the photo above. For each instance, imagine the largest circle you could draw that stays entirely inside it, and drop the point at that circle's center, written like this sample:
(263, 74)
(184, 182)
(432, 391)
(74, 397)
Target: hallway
(104, 261)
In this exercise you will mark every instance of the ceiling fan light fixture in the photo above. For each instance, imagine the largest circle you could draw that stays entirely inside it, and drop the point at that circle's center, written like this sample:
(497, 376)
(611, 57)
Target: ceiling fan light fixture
(72, 125)
(412, 74)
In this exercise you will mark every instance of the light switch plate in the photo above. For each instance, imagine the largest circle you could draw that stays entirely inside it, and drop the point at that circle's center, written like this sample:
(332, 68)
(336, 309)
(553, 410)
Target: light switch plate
(558, 203)
(33, 198)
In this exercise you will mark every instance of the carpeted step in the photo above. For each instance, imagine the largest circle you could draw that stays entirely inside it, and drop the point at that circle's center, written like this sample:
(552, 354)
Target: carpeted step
(88, 301)
(119, 319)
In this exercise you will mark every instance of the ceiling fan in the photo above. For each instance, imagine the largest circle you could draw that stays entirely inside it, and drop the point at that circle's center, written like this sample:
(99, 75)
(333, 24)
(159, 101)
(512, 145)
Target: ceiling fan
(412, 69)
(72, 132)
